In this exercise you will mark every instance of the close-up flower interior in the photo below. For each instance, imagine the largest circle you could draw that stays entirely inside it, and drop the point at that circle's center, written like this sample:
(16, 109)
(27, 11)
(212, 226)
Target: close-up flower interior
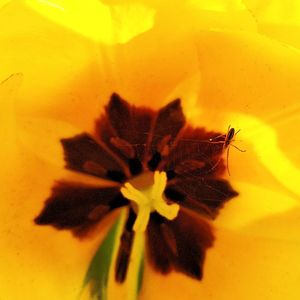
(150, 149)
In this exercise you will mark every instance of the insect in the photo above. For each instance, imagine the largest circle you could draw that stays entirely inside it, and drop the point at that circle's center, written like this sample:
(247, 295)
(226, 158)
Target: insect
(229, 137)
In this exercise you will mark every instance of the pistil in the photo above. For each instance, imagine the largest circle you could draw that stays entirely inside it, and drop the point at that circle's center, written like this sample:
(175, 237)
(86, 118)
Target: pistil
(149, 200)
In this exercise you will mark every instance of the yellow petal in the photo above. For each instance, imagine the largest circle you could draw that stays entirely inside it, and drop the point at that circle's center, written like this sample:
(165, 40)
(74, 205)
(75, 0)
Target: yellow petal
(42, 136)
(239, 266)
(58, 66)
(235, 77)
(277, 19)
(32, 257)
(259, 205)
(42, 262)
(247, 74)
(108, 24)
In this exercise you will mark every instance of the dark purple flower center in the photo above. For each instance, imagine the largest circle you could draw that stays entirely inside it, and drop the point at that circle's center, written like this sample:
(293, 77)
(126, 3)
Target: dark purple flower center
(129, 144)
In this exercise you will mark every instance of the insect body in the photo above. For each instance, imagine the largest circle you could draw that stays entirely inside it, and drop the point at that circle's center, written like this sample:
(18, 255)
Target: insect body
(227, 142)
(229, 136)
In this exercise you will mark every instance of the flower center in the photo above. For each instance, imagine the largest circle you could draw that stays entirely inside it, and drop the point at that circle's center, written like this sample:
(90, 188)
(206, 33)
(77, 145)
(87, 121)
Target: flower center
(150, 199)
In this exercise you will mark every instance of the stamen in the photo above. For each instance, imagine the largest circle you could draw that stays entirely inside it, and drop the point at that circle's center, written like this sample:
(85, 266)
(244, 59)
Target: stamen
(150, 200)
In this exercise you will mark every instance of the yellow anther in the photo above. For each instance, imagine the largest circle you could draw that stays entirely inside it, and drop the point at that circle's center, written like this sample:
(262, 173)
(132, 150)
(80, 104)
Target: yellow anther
(149, 200)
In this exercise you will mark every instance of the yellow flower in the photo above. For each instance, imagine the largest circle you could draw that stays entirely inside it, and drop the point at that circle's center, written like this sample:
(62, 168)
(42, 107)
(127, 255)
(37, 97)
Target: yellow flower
(232, 63)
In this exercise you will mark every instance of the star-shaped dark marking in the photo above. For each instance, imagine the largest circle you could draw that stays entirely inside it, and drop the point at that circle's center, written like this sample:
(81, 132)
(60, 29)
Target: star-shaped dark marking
(127, 142)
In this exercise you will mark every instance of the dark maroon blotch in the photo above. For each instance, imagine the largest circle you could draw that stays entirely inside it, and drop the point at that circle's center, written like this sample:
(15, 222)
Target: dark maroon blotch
(183, 246)
(78, 207)
(84, 154)
(124, 252)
